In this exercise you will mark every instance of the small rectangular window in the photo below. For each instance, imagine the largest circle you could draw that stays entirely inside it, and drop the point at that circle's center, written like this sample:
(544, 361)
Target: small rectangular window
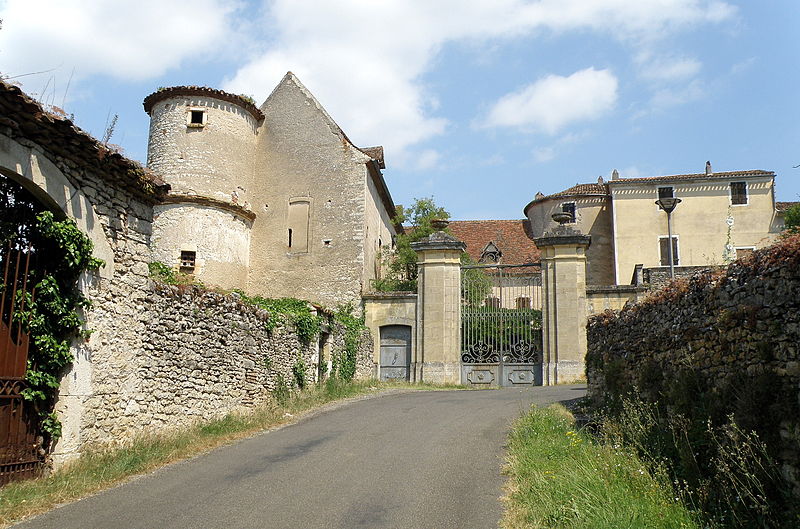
(738, 193)
(196, 118)
(569, 207)
(666, 192)
(664, 250)
(492, 302)
(188, 262)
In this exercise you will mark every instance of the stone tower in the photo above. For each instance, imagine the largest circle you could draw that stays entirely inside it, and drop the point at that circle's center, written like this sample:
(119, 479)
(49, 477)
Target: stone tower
(202, 142)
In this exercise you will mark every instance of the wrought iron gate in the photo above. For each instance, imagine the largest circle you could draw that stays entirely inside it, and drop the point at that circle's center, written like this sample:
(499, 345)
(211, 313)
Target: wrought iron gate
(19, 440)
(501, 331)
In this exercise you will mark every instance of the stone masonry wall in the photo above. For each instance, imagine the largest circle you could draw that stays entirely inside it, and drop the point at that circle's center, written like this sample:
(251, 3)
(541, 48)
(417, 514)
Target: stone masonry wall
(202, 355)
(730, 339)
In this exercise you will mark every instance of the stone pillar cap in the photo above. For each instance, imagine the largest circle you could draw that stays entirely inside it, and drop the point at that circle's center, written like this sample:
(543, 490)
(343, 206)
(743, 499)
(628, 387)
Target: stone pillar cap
(438, 241)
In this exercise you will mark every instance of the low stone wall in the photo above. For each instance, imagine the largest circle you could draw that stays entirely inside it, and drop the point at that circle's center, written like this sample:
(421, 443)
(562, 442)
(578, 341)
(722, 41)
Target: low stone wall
(658, 277)
(187, 354)
(727, 341)
(614, 297)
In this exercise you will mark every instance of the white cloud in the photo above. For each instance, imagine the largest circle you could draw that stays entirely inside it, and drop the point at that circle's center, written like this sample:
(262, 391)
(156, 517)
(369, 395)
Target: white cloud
(670, 97)
(553, 102)
(668, 69)
(427, 159)
(544, 154)
(129, 40)
(365, 61)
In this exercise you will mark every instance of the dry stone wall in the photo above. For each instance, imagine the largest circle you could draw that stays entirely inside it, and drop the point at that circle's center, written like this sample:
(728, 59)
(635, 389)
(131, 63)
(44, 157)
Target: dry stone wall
(725, 342)
(199, 355)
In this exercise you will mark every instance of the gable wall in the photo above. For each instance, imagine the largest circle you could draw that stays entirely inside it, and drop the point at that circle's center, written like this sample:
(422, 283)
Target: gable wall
(302, 156)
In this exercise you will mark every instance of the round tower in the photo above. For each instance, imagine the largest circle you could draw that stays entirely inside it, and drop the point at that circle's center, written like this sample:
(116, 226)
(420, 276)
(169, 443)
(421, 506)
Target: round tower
(202, 142)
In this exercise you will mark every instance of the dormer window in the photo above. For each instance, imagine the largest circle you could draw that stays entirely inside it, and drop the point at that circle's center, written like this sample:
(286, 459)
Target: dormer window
(196, 118)
(491, 254)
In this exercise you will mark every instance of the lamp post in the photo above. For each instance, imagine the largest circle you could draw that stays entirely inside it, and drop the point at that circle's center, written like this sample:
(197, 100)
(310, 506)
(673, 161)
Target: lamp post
(669, 205)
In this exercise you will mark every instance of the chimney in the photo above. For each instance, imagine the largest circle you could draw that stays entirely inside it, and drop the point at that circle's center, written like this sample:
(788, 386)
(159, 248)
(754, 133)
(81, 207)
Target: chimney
(708, 168)
(600, 180)
(615, 175)
(539, 195)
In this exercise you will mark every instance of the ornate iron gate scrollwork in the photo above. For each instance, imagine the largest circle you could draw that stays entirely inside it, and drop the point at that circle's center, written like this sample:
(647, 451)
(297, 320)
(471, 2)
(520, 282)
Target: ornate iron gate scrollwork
(501, 335)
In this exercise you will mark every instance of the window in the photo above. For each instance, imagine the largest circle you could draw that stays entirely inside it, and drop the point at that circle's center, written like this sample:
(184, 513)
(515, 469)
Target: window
(738, 193)
(666, 192)
(298, 225)
(664, 250)
(523, 303)
(196, 118)
(187, 262)
(569, 207)
(492, 302)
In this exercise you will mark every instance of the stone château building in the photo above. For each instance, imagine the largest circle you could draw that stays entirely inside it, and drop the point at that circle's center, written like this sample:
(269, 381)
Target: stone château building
(275, 200)
(721, 216)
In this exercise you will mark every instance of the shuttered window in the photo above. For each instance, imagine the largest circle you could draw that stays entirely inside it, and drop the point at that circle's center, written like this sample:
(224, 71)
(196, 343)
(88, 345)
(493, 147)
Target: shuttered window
(738, 193)
(664, 247)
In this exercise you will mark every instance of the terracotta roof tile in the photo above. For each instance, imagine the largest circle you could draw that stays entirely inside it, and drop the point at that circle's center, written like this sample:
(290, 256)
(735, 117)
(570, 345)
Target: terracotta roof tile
(692, 176)
(510, 236)
(177, 91)
(783, 206)
(23, 117)
(376, 153)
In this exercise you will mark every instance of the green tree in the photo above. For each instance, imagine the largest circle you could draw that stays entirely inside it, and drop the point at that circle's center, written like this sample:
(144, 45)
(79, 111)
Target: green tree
(419, 216)
(791, 219)
(402, 262)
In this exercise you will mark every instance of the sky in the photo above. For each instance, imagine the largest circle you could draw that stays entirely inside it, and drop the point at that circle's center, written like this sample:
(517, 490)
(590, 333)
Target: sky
(478, 103)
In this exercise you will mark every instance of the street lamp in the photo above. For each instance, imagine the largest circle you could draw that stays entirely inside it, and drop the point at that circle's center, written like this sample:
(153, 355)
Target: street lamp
(669, 205)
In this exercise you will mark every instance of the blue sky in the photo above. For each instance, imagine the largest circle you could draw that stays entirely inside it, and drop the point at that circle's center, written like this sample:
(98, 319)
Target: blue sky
(478, 103)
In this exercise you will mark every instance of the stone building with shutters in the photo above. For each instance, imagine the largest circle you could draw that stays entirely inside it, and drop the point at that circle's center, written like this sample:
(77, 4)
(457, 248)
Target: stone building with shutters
(722, 216)
(275, 200)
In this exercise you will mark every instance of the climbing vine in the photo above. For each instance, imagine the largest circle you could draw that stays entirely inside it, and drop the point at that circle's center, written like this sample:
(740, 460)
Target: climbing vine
(344, 359)
(288, 310)
(60, 252)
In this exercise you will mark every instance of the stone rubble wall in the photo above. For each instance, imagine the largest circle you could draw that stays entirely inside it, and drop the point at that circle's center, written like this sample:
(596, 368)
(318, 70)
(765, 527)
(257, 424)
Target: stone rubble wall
(735, 334)
(197, 355)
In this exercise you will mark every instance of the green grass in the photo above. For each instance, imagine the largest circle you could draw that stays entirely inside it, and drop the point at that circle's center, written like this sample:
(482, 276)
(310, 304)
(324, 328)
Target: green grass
(561, 478)
(105, 467)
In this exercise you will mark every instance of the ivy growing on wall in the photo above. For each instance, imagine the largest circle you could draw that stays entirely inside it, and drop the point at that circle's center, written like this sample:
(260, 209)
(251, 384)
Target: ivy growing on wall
(60, 252)
(344, 359)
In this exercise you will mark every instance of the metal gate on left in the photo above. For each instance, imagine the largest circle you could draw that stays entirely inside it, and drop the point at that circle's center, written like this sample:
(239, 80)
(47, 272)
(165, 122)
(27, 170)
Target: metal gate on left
(501, 331)
(20, 444)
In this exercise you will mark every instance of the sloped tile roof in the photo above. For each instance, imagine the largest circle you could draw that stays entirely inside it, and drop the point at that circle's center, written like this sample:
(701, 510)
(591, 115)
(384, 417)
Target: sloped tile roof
(205, 91)
(510, 236)
(692, 176)
(783, 206)
(22, 116)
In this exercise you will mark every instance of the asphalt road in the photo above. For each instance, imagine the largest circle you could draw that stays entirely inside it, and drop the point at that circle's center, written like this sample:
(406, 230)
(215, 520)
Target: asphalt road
(411, 460)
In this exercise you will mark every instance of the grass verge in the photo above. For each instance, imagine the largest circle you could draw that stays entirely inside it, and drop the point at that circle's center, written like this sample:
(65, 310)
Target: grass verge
(101, 469)
(561, 478)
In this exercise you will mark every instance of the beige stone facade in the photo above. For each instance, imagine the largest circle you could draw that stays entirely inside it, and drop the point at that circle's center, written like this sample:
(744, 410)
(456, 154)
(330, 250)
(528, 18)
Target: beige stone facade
(274, 200)
(721, 215)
